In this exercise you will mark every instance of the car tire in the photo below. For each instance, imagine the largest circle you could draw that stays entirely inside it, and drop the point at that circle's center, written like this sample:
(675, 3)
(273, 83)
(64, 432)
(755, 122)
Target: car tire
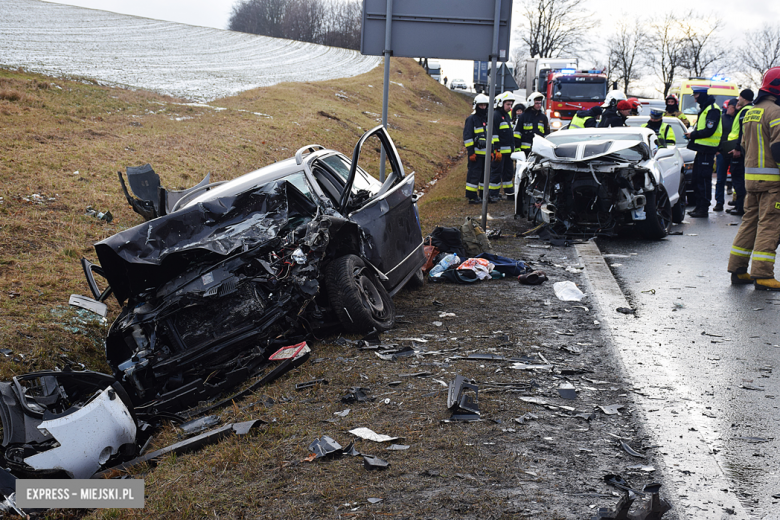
(416, 281)
(359, 300)
(678, 212)
(658, 215)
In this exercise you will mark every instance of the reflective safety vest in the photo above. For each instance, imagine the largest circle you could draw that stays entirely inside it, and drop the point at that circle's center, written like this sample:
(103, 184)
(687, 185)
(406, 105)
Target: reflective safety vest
(714, 139)
(759, 164)
(665, 135)
(734, 133)
(579, 122)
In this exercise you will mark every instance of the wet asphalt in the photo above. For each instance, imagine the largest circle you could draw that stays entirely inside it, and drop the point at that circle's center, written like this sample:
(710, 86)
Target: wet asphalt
(703, 359)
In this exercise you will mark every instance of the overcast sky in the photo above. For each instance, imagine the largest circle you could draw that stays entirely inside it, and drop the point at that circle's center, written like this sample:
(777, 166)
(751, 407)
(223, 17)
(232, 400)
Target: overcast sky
(737, 16)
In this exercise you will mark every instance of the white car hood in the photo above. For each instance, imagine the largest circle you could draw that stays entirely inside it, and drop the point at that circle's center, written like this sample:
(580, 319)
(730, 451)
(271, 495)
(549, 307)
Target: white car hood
(579, 151)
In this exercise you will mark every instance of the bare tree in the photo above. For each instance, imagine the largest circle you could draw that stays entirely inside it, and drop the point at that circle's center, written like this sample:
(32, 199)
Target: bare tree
(555, 27)
(701, 48)
(517, 59)
(666, 50)
(760, 53)
(626, 48)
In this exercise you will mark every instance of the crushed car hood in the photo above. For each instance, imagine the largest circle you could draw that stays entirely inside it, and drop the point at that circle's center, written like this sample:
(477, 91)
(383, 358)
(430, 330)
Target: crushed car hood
(145, 256)
(584, 150)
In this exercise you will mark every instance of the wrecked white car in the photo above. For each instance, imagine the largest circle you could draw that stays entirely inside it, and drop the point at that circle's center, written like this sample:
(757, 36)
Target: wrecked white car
(222, 275)
(594, 181)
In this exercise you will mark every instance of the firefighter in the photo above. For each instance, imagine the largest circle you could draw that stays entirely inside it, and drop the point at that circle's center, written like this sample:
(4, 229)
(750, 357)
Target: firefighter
(704, 140)
(616, 116)
(610, 108)
(634, 106)
(758, 235)
(475, 141)
(673, 109)
(736, 155)
(502, 170)
(664, 132)
(533, 122)
(517, 112)
(586, 118)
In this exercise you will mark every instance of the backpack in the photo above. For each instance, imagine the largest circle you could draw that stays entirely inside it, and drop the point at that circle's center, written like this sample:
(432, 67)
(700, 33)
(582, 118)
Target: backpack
(474, 239)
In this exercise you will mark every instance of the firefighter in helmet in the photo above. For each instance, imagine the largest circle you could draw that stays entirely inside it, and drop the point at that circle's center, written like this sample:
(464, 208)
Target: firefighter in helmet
(533, 122)
(673, 109)
(758, 235)
(610, 116)
(502, 167)
(475, 141)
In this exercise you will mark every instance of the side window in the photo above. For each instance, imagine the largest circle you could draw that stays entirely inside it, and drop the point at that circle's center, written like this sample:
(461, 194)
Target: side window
(363, 182)
(298, 179)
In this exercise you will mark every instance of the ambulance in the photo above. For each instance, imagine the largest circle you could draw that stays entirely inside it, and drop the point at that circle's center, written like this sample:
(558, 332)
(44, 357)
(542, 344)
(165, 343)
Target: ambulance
(720, 87)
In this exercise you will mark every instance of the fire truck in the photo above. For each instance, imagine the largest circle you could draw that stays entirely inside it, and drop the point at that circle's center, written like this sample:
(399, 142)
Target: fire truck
(566, 88)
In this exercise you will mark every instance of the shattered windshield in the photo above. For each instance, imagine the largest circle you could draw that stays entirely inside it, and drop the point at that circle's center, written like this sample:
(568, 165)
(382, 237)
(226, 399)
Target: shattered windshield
(578, 89)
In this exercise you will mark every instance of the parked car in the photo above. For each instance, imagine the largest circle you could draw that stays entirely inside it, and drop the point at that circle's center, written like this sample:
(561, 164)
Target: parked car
(222, 275)
(594, 181)
(681, 143)
(458, 83)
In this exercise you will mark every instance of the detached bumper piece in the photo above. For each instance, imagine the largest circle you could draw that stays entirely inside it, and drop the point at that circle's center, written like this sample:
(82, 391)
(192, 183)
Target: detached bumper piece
(64, 424)
(462, 400)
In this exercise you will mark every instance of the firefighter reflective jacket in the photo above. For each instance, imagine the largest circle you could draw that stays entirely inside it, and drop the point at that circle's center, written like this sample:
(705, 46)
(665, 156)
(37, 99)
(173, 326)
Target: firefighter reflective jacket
(582, 119)
(734, 140)
(532, 123)
(761, 133)
(475, 135)
(502, 126)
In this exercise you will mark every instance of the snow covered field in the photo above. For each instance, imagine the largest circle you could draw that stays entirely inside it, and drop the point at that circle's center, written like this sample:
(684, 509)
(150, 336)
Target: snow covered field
(195, 63)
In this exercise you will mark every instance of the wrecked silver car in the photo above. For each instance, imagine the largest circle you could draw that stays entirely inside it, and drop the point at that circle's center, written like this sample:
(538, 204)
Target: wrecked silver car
(594, 181)
(222, 275)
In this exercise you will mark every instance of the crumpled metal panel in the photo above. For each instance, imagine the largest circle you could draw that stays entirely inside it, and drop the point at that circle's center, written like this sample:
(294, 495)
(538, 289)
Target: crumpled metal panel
(88, 437)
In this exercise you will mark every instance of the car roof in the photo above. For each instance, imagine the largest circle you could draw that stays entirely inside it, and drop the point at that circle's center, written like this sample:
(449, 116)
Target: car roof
(618, 130)
(644, 119)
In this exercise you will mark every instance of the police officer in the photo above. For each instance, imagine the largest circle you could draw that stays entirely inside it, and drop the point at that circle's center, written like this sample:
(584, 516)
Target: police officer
(758, 235)
(502, 170)
(475, 141)
(586, 118)
(664, 132)
(735, 153)
(533, 122)
(673, 109)
(704, 140)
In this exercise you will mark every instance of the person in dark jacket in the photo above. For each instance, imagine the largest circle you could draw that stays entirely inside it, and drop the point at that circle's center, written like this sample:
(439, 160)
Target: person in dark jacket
(721, 162)
(664, 132)
(586, 118)
(616, 116)
(533, 122)
(517, 113)
(475, 141)
(736, 152)
(704, 140)
(502, 173)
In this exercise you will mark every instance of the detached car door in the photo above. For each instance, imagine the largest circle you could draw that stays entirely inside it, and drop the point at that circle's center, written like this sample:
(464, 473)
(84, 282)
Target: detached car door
(389, 216)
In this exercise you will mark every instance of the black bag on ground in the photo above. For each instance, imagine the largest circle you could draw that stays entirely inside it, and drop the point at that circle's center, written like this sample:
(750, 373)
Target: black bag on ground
(448, 240)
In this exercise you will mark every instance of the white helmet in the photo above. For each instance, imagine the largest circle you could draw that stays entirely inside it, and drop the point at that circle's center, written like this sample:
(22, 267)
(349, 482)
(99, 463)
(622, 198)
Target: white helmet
(481, 99)
(613, 97)
(534, 95)
(504, 96)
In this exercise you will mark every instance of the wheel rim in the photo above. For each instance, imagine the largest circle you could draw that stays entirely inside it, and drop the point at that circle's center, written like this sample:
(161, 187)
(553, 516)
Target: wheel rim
(663, 208)
(369, 294)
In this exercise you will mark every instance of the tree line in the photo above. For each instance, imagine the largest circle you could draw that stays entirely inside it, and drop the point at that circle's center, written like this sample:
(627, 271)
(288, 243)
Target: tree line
(335, 23)
(669, 47)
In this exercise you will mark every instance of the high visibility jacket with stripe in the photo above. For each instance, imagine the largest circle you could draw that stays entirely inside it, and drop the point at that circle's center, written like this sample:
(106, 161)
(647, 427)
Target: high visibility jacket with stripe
(532, 123)
(734, 138)
(706, 136)
(475, 135)
(502, 126)
(760, 132)
(665, 134)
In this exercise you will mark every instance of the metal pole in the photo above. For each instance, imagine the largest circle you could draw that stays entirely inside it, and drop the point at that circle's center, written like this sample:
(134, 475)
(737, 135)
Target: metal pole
(386, 83)
(493, 58)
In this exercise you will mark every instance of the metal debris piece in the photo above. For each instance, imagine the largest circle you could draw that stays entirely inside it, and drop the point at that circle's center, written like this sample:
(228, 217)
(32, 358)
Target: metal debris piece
(368, 434)
(416, 374)
(398, 447)
(357, 394)
(528, 416)
(612, 409)
(626, 310)
(586, 416)
(99, 308)
(107, 216)
(462, 400)
(642, 467)
(523, 366)
(485, 357)
(342, 413)
(631, 451)
(375, 500)
(567, 391)
(751, 386)
(371, 462)
(309, 384)
(199, 425)
(753, 440)
(325, 446)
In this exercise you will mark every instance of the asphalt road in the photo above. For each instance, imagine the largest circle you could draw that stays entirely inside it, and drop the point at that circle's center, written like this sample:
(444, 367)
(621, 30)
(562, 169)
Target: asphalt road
(704, 361)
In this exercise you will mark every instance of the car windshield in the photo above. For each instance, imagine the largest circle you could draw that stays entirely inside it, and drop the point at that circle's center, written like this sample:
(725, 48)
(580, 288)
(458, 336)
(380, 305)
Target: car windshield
(578, 89)
(689, 105)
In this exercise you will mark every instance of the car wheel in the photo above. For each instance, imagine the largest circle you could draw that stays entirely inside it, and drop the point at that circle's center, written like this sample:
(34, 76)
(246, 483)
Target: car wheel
(658, 215)
(417, 280)
(359, 300)
(678, 212)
